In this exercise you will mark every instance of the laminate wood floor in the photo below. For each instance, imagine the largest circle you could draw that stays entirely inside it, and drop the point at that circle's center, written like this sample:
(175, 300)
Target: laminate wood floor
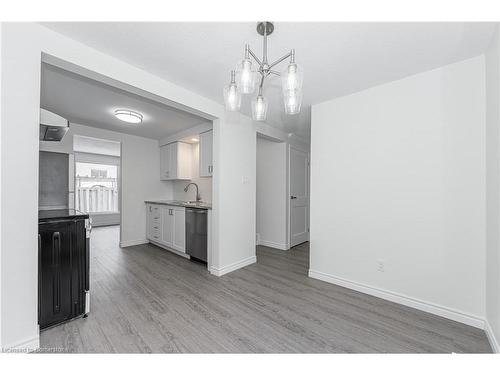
(145, 299)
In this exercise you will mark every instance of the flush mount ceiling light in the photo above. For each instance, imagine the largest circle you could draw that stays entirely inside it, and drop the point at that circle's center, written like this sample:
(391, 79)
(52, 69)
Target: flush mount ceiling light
(128, 116)
(243, 79)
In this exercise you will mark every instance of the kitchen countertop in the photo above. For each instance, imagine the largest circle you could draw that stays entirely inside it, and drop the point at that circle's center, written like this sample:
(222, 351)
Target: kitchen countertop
(68, 213)
(203, 205)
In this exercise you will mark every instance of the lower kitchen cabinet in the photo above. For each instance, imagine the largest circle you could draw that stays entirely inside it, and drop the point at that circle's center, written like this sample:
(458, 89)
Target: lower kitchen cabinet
(179, 229)
(166, 226)
(153, 230)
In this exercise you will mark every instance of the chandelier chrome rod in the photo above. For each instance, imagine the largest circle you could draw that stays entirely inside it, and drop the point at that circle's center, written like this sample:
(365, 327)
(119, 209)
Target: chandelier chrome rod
(264, 47)
(289, 54)
(261, 83)
(250, 52)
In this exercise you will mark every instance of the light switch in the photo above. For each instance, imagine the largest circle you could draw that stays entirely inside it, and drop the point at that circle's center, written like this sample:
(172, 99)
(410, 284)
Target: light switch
(244, 180)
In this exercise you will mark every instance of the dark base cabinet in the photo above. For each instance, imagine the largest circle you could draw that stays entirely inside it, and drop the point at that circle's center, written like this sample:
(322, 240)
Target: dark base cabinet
(62, 270)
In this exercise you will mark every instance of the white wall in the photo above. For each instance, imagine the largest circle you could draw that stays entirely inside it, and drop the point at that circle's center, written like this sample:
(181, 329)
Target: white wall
(19, 200)
(204, 183)
(99, 146)
(492, 59)
(398, 175)
(140, 176)
(234, 192)
(272, 194)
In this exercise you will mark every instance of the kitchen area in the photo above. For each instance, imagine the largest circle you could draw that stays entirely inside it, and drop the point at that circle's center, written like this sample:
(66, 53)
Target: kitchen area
(114, 181)
(182, 225)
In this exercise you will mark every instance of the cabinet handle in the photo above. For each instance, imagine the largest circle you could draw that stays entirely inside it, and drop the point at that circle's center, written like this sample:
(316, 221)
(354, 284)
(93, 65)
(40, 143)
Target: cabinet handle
(150, 209)
(56, 281)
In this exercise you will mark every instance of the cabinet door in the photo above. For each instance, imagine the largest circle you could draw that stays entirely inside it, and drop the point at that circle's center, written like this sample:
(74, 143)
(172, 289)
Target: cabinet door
(184, 161)
(55, 278)
(173, 160)
(206, 154)
(166, 225)
(179, 229)
(165, 162)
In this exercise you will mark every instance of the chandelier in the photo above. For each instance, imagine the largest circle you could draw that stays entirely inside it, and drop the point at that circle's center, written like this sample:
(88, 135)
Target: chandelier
(245, 77)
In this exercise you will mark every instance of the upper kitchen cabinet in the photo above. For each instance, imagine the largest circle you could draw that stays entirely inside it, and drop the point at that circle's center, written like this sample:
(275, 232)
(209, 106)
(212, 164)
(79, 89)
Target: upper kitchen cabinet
(175, 161)
(206, 154)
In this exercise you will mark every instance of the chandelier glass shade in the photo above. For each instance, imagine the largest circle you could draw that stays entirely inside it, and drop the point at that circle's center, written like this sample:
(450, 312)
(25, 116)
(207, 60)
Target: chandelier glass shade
(245, 76)
(250, 73)
(292, 101)
(259, 108)
(232, 96)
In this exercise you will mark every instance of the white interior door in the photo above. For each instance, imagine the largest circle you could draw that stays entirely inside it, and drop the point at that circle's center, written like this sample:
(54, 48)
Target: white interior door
(299, 196)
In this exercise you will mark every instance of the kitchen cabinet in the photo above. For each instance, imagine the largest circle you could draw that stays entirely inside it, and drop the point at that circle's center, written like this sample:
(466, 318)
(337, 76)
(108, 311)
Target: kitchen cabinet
(154, 222)
(206, 154)
(63, 268)
(166, 226)
(175, 161)
(179, 229)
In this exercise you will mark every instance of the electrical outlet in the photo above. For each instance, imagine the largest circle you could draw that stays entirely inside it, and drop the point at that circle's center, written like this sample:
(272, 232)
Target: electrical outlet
(380, 265)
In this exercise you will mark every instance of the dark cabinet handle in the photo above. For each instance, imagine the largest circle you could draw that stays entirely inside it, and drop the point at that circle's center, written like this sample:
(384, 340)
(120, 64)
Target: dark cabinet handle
(56, 248)
(56, 281)
(293, 197)
(87, 264)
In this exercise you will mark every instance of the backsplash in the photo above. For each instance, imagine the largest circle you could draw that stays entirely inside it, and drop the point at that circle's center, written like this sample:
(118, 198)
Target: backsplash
(53, 179)
(204, 184)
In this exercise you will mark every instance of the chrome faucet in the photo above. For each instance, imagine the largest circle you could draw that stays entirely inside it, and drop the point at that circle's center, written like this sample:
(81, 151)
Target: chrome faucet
(198, 197)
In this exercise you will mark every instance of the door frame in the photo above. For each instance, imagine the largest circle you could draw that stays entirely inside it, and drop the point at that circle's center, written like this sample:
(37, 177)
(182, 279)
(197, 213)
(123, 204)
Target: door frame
(289, 189)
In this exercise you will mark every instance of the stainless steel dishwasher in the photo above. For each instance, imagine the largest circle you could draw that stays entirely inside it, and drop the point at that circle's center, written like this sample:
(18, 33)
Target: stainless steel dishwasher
(196, 233)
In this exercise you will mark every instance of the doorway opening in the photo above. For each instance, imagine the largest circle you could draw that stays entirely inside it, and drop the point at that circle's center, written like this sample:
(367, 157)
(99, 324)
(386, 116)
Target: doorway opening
(97, 179)
(271, 193)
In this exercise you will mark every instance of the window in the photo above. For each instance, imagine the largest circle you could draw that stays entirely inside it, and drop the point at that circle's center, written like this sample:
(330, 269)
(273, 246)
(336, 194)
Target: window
(96, 187)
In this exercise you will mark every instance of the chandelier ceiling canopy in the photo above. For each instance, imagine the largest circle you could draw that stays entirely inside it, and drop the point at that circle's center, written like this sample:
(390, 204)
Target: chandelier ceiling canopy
(250, 73)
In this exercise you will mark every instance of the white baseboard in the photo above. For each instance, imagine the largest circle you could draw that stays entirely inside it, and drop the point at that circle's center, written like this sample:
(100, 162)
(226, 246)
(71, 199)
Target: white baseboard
(274, 245)
(442, 311)
(233, 267)
(23, 346)
(133, 242)
(491, 338)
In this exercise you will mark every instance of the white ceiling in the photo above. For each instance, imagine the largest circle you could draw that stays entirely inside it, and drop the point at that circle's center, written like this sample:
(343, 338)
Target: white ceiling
(338, 58)
(88, 102)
